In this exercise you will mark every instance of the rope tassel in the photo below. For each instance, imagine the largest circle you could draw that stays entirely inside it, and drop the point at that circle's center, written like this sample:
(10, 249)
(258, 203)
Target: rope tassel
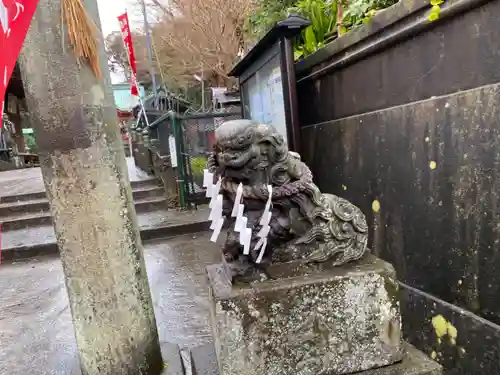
(82, 33)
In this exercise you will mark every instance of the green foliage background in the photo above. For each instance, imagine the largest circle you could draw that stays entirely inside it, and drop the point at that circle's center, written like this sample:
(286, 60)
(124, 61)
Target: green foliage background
(198, 164)
(329, 18)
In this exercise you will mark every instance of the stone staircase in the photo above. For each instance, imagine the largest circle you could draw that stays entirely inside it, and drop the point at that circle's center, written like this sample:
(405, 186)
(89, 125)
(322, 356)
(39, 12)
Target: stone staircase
(6, 166)
(32, 209)
(27, 231)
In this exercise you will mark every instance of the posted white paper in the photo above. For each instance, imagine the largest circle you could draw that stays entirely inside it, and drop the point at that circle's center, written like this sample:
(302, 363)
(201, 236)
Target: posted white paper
(173, 151)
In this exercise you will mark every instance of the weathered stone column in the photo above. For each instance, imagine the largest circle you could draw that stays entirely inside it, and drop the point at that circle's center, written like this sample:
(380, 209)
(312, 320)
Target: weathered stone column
(85, 174)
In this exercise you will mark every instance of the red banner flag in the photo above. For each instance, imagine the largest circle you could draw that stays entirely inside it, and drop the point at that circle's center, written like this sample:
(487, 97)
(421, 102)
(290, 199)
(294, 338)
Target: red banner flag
(15, 19)
(127, 42)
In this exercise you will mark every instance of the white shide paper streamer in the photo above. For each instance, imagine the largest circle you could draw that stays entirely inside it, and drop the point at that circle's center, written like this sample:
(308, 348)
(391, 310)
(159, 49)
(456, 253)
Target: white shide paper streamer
(237, 200)
(216, 202)
(247, 238)
(241, 224)
(241, 209)
(217, 229)
(267, 208)
(215, 192)
(265, 228)
(261, 254)
(217, 220)
(216, 211)
(208, 182)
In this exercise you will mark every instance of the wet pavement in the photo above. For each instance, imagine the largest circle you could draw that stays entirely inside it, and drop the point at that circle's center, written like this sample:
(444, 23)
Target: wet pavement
(29, 180)
(36, 333)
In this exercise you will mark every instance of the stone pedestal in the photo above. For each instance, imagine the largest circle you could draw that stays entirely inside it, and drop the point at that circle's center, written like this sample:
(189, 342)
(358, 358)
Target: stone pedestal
(322, 322)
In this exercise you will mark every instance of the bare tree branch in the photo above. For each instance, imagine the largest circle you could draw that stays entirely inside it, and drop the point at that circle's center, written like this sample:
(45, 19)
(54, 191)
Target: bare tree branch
(192, 36)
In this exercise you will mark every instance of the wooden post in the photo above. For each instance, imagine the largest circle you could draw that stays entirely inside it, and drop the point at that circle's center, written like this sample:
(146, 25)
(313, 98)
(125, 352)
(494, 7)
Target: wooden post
(85, 175)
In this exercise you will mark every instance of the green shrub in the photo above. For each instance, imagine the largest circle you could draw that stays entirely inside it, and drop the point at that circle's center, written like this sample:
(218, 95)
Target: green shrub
(329, 19)
(198, 164)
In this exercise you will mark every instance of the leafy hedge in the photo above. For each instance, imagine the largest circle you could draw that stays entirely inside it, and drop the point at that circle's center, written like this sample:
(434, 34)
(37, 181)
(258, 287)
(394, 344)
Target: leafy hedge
(329, 19)
(198, 164)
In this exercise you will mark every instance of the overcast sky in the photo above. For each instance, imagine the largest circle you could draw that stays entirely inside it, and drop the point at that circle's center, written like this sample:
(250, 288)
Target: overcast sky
(109, 10)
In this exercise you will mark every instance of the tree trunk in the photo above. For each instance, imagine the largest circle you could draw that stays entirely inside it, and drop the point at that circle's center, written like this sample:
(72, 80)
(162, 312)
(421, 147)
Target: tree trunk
(85, 175)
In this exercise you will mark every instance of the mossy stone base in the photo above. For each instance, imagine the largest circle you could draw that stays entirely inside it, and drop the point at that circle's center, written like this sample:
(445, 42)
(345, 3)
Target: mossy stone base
(331, 321)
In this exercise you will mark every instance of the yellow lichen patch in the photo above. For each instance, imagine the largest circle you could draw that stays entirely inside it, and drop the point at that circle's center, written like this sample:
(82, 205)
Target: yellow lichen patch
(376, 206)
(442, 327)
(432, 165)
(460, 282)
(433, 355)
(344, 187)
(453, 333)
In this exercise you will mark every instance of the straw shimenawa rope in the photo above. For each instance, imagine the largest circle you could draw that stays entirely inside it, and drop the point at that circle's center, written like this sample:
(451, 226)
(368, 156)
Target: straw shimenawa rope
(82, 33)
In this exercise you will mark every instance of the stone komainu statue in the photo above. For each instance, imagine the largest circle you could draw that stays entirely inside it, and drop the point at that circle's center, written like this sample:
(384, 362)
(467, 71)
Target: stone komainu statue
(306, 225)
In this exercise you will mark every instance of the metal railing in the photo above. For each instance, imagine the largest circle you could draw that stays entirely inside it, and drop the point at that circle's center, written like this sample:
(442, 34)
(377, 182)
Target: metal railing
(187, 140)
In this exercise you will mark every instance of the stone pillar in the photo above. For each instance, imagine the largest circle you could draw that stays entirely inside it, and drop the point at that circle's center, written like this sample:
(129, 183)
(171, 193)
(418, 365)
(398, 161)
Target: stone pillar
(85, 175)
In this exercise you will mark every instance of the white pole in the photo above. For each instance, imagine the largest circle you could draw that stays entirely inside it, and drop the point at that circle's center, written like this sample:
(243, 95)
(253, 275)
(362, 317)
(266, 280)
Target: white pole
(148, 43)
(202, 90)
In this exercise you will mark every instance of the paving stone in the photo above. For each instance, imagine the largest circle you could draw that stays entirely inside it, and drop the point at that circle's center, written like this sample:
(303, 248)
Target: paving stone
(204, 360)
(36, 332)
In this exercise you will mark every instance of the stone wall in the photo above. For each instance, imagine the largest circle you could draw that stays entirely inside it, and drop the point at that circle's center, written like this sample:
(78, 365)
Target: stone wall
(401, 117)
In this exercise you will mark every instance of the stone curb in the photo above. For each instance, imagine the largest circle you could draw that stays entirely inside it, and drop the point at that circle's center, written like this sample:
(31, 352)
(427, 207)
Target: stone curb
(204, 362)
(172, 359)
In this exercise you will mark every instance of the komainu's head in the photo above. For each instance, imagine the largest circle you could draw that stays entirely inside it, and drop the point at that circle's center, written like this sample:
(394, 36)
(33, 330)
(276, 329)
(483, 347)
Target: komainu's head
(243, 149)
